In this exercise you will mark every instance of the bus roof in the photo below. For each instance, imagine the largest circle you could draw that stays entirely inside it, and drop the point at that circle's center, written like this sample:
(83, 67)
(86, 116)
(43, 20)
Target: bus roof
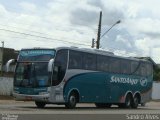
(101, 52)
(93, 51)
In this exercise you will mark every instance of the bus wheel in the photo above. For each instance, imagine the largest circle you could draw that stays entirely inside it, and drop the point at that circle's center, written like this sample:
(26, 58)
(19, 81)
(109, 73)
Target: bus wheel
(72, 101)
(40, 104)
(135, 102)
(128, 101)
(143, 104)
(103, 105)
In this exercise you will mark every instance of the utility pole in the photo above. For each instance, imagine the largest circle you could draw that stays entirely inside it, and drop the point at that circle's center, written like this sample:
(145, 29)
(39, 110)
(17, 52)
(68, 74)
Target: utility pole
(99, 31)
(93, 43)
(2, 51)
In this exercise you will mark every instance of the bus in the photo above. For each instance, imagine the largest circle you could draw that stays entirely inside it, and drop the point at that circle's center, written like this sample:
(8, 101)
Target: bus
(71, 75)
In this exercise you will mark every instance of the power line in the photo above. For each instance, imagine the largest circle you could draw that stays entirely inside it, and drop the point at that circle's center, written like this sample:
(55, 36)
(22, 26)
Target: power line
(78, 30)
(21, 28)
(41, 37)
(64, 26)
(114, 49)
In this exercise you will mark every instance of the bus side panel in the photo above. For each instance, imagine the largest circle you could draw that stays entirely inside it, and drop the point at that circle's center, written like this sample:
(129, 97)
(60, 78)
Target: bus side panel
(123, 84)
(91, 87)
(103, 87)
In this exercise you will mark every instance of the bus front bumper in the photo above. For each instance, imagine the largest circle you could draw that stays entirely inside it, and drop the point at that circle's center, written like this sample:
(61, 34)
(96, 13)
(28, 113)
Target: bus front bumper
(24, 97)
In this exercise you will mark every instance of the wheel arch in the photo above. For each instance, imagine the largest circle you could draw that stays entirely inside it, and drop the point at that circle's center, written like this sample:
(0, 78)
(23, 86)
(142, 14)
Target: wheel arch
(128, 93)
(138, 94)
(76, 92)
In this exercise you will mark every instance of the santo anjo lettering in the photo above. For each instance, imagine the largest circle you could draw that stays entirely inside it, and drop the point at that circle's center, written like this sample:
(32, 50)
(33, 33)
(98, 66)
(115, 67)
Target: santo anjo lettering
(123, 80)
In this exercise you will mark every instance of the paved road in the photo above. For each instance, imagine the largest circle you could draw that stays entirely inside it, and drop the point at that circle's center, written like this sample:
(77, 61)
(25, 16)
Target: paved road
(82, 111)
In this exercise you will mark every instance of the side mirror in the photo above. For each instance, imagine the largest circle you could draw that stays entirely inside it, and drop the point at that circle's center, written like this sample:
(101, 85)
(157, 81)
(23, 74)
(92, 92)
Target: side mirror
(50, 65)
(9, 63)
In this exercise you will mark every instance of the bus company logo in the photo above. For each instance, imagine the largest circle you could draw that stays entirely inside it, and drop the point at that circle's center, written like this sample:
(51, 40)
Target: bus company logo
(124, 80)
(143, 82)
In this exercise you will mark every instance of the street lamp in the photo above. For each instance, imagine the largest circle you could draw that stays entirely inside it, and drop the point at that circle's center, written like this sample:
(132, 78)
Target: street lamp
(110, 28)
(99, 31)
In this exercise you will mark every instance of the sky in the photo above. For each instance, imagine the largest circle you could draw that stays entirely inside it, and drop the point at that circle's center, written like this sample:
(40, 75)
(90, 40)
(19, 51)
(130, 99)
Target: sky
(53, 23)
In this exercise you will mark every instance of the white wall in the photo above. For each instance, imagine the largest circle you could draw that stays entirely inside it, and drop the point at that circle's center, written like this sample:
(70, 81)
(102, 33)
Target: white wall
(6, 86)
(156, 91)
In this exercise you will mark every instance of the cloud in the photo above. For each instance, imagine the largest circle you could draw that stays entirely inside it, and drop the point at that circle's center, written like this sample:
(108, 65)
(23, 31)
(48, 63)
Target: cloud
(83, 17)
(28, 7)
(138, 34)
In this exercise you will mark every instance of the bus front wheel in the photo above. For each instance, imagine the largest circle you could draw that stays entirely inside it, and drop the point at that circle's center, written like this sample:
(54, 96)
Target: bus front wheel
(40, 104)
(72, 101)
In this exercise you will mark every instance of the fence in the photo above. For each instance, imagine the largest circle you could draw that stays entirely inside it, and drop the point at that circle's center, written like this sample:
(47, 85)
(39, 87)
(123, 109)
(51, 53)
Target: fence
(155, 91)
(6, 86)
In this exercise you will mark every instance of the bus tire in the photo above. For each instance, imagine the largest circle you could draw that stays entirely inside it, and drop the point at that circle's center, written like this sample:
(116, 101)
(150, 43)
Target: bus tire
(143, 104)
(135, 101)
(72, 101)
(128, 101)
(40, 104)
(103, 105)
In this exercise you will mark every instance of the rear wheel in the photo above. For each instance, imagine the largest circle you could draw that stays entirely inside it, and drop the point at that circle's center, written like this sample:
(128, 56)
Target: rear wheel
(135, 102)
(103, 105)
(128, 101)
(40, 104)
(72, 101)
(143, 104)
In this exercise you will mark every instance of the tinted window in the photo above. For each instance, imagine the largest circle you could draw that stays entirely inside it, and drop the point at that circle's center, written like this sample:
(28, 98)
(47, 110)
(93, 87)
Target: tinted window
(75, 60)
(60, 66)
(115, 65)
(143, 70)
(89, 61)
(135, 67)
(125, 66)
(102, 63)
(149, 69)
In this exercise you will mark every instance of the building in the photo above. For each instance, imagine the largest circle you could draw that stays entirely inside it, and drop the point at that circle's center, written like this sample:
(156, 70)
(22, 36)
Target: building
(5, 55)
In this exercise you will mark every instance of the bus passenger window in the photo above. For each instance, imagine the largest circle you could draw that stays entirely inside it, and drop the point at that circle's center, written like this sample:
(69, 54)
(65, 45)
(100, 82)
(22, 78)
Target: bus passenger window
(143, 70)
(102, 63)
(125, 66)
(89, 61)
(115, 65)
(149, 69)
(135, 67)
(75, 60)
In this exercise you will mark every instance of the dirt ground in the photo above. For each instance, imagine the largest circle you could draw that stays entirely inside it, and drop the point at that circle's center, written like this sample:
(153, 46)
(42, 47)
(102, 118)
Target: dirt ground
(3, 97)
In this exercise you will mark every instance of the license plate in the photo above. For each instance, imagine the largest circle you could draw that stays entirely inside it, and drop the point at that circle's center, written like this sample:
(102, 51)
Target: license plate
(28, 98)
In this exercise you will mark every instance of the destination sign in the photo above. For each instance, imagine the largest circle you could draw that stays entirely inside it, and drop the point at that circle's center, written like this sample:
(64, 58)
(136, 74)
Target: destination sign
(36, 52)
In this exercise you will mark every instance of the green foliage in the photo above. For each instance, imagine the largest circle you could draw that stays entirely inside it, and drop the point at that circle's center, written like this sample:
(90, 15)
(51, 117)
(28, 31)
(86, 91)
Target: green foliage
(156, 74)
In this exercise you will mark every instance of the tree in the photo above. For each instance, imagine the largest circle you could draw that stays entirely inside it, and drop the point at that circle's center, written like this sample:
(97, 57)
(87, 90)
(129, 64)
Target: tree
(156, 74)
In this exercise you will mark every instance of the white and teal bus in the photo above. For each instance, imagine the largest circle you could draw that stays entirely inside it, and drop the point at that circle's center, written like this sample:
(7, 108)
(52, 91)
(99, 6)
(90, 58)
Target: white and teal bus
(70, 75)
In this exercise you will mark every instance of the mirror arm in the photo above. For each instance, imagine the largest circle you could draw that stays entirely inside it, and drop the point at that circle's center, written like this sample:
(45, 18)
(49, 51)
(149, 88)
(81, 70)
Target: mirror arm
(50, 65)
(8, 64)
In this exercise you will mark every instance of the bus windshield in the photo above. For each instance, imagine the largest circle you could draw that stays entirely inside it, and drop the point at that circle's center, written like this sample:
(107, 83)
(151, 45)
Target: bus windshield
(32, 74)
(32, 68)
